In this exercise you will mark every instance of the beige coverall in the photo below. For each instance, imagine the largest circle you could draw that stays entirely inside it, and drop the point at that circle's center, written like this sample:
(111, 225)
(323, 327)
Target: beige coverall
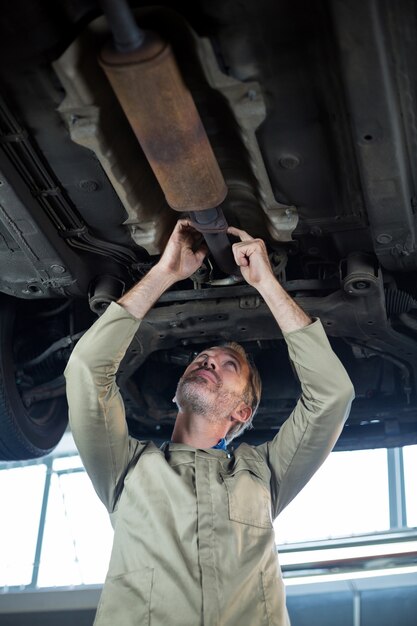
(193, 537)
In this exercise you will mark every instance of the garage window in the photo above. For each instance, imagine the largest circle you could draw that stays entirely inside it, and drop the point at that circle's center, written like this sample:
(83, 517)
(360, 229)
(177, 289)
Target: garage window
(54, 531)
(78, 535)
(347, 496)
(21, 491)
(410, 471)
(356, 518)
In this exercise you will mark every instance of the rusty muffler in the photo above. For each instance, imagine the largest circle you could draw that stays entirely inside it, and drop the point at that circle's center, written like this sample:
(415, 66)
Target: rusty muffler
(165, 120)
(144, 75)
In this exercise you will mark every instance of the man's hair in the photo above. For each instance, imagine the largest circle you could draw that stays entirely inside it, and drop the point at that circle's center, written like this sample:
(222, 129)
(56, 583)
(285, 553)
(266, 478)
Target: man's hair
(251, 394)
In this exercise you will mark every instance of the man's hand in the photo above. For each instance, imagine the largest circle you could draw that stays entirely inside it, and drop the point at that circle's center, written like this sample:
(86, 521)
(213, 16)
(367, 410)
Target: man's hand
(182, 256)
(251, 256)
(184, 252)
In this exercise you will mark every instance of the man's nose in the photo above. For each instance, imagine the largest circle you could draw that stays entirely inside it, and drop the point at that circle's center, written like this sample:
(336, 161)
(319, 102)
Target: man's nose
(209, 363)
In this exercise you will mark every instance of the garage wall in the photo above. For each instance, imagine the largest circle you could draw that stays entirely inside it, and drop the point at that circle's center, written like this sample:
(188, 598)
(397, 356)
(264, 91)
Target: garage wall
(399, 607)
(52, 618)
(386, 606)
(383, 607)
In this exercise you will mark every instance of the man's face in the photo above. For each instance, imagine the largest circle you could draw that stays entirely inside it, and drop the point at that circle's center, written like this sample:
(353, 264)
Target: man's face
(213, 385)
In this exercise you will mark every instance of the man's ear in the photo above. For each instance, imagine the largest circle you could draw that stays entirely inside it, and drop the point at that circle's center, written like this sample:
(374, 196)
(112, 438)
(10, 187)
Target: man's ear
(242, 413)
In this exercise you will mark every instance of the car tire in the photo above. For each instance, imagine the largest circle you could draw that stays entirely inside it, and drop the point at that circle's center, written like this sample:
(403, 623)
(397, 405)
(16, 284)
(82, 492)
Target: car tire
(24, 433)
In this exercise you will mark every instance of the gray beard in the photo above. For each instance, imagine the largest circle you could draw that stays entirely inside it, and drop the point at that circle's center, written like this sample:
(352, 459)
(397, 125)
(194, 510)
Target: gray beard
(192, 396)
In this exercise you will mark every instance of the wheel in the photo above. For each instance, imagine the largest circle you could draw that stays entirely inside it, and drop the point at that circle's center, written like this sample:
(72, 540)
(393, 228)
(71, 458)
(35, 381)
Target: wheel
(35, 429)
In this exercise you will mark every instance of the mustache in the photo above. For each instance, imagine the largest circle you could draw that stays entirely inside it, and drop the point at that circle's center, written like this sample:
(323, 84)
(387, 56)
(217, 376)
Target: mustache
(205, 369)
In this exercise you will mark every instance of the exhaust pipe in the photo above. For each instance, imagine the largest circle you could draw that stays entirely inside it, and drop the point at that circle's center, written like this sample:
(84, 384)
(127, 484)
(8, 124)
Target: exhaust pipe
(144, 75)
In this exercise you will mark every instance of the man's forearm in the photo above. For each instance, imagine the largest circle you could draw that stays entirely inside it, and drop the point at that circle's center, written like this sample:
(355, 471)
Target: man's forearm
(141, 298)
(287, 313)
(251, 256)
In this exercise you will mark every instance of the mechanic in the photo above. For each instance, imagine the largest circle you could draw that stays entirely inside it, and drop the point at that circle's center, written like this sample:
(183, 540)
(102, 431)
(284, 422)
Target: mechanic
(194, 542)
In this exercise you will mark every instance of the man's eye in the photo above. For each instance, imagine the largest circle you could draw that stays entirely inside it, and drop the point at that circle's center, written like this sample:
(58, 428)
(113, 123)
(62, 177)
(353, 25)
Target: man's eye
(233, 364)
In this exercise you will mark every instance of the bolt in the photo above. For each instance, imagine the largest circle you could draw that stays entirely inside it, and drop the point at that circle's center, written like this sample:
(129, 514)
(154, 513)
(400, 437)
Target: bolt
(32, 289)
(361, 284)
(88, 185)
(384, 238)
(58, 269)
(289, 162)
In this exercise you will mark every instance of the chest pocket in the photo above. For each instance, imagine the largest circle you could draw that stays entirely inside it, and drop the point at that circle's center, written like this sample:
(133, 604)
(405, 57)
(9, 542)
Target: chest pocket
(249, 497)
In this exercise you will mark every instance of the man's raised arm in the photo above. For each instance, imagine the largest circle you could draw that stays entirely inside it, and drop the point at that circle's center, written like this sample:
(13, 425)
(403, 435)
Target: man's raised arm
(251, 256)
(96, 408)
(309, 434)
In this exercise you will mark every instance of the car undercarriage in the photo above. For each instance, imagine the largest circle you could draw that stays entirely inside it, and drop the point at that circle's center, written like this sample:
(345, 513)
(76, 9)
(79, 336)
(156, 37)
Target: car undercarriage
(310, 111)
